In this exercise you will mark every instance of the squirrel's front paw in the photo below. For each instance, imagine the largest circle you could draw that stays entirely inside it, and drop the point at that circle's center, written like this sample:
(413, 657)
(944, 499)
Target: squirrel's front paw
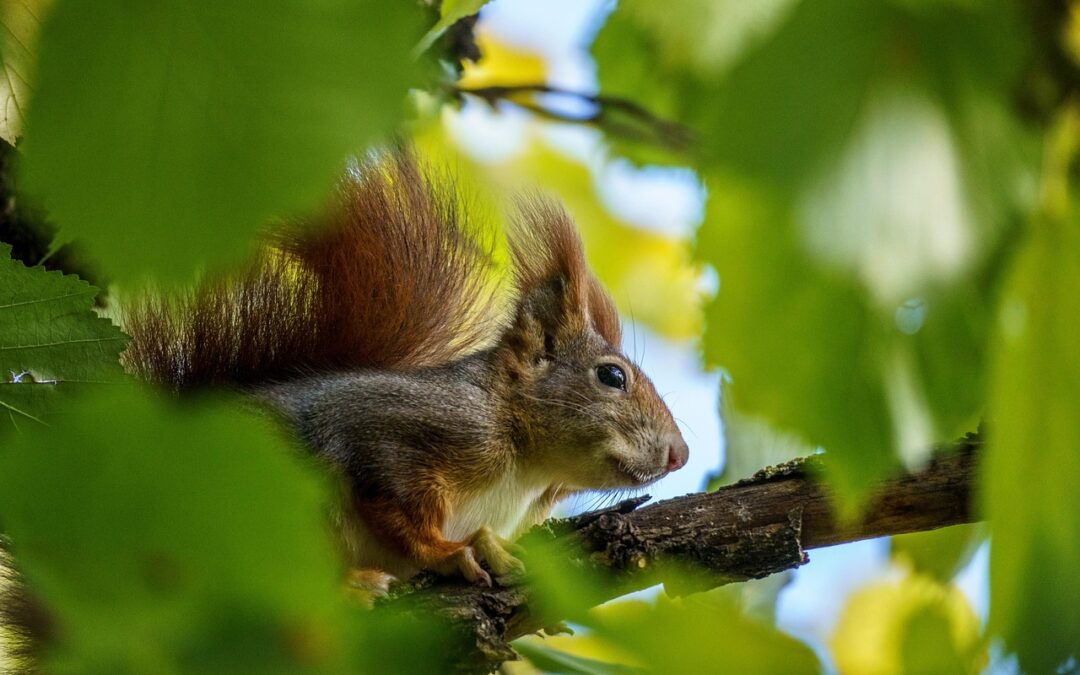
(500, 555)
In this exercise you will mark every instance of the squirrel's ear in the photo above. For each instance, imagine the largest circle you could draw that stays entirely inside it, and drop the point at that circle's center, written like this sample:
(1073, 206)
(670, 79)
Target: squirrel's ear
(558, 297)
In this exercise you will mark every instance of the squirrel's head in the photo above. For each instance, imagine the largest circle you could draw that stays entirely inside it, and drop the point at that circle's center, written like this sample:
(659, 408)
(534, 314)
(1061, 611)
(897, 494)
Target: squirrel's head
(592, 416)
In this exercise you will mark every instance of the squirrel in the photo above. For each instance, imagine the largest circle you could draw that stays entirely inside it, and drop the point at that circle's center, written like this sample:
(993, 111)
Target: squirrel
(373, 331)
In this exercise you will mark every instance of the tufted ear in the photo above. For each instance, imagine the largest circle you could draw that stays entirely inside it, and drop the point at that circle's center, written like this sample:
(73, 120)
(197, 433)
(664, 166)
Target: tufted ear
(558, 296)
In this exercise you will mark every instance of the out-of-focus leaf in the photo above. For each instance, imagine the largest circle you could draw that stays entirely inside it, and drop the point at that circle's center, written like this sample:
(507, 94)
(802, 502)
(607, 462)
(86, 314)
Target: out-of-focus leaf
(927, 646)
(51, 342)
(751, 443)
(169, 539)
(198, 122)
(782, 96)
(704, 36)
(679, 636)
(798, 342)
(891, 166)
(550, 660)
(450, 12)
(20, 20)
(884, 630)
(1032, 469)
(584, 645)
(757, 598)
(815, 353)
(939, 554)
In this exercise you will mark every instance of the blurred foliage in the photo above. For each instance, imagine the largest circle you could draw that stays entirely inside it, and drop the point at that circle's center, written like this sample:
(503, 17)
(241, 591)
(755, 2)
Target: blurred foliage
(672, 636)
(908, 625)
(938, 554)
(52, 344)
(1032, 474)
(751, 443)
(161, 555)
(890, 216)
(450, 12)
(196, 123)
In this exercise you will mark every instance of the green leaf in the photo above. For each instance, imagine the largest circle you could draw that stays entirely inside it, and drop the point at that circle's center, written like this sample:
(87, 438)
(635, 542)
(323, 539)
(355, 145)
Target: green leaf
(907, 624)
(927, 645)
(551, 660)
(726, 70)
(679, 636)
(167, 539)
(1032, 469)
(167, 133)
(939, 553)
(798, 342)
(450, 12)
(51, 343)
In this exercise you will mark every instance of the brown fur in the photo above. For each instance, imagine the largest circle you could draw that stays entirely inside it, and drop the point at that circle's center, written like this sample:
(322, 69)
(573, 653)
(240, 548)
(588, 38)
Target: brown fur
(27, 626)
(391, 276)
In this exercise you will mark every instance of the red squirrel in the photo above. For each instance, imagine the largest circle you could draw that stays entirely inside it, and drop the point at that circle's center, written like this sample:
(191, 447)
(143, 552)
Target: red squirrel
(373, 331)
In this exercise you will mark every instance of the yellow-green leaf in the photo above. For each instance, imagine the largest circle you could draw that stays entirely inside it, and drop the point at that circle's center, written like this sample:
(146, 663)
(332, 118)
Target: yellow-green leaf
(1032, 471)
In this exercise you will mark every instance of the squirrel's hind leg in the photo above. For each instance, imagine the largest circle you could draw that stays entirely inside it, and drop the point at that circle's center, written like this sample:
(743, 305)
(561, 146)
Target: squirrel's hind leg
(413, 527)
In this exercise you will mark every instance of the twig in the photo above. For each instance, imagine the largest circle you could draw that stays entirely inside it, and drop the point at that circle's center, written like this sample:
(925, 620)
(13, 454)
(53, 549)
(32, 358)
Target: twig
(648, 127)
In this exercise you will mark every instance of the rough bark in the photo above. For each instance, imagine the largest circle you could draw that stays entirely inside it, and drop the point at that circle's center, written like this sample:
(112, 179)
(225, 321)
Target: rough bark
(759, 526)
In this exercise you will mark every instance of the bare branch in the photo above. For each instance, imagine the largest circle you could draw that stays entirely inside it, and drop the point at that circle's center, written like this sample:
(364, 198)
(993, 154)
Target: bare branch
(639, 125)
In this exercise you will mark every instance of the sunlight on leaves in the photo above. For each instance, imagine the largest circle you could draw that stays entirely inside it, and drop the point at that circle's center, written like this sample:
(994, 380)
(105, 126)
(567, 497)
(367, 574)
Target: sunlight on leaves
(502, 64)
(52, 344)
(679, 636)
(893, 211)
(20, 21)
(907, 625)
(705, 36)
(198, 122)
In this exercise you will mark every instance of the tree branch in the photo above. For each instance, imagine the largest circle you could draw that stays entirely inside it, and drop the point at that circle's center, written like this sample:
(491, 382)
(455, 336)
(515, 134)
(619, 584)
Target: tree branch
(754, 528)
(640, 125)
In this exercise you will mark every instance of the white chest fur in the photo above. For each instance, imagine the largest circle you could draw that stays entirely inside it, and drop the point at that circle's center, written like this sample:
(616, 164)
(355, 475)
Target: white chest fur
(500, 506)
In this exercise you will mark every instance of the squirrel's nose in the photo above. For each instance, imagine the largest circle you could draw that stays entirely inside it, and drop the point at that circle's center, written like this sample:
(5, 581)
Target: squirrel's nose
(678, 452)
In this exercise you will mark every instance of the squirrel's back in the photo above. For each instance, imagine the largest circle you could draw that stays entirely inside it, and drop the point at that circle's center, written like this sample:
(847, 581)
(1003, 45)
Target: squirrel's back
(392, 275)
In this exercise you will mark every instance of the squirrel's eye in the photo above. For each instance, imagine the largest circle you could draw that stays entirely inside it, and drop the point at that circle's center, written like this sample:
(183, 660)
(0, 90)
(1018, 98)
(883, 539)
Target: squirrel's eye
(611, 375)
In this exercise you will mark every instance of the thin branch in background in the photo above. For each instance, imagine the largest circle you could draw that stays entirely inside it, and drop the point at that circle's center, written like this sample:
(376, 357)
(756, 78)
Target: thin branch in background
(644, 126)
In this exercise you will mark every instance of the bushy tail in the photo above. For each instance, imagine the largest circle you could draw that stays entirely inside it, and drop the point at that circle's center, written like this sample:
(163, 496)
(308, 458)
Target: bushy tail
(25, 627)
(391, 276)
